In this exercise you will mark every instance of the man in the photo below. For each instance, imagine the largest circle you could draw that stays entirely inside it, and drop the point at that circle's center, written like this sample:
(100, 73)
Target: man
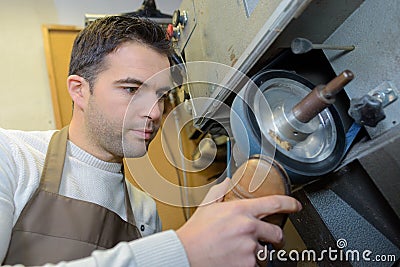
(63, 196)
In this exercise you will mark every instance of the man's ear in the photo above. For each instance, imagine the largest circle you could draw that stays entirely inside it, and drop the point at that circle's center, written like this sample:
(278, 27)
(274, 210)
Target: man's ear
(78, 89)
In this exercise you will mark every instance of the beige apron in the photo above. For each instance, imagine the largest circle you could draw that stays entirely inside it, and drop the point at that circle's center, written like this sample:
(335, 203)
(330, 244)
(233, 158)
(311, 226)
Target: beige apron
(54, 228)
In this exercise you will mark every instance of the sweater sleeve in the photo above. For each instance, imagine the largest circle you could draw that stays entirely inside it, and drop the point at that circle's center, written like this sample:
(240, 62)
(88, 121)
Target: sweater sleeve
(7, 188)
(161, 249)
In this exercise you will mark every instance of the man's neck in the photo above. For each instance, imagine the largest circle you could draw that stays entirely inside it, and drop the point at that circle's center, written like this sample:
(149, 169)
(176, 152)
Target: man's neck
(80, 137)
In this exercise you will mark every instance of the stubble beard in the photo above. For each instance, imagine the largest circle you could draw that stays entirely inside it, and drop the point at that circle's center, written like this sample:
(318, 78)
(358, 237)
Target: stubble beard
(104, 133)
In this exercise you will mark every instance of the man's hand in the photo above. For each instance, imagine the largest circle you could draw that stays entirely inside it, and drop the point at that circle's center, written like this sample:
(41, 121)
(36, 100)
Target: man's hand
(228, 233)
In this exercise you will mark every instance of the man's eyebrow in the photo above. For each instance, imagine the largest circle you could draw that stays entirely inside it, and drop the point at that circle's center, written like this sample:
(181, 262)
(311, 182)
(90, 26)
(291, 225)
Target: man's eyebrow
(161, 90)
(130, 81)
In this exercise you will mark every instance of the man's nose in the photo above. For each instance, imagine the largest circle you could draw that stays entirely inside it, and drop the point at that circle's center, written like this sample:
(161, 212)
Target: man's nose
(154, 110)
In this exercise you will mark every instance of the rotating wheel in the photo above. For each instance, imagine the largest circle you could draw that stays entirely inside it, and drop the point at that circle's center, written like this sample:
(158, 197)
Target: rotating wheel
(260, 114)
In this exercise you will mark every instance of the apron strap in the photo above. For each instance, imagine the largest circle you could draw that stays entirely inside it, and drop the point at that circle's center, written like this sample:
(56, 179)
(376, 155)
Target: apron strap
(54, 162)
(129, 212)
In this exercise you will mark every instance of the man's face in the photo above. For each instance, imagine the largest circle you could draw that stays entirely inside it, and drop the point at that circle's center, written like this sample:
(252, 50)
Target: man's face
(125, 110)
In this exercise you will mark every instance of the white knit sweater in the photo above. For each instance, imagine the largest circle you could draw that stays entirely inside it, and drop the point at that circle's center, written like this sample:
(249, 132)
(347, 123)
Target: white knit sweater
(86, 178)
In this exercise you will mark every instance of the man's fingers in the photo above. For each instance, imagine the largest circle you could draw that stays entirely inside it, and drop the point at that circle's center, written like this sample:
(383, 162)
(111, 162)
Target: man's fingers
(216, 192)
(269, 233)
(264, 206)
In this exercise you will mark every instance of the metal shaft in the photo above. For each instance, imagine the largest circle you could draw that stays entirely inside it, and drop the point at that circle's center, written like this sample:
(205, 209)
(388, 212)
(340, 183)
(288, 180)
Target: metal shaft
(320, 97)
(333, 47)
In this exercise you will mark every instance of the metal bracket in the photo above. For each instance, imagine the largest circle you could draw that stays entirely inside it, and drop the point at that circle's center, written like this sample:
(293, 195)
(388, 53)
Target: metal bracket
(386, 92)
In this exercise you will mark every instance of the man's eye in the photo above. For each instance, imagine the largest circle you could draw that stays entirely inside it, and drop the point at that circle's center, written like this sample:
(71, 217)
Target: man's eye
(131, 90)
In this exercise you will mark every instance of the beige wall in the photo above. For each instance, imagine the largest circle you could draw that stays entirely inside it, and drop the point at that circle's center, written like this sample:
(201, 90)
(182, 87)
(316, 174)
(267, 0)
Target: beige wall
(25, 100)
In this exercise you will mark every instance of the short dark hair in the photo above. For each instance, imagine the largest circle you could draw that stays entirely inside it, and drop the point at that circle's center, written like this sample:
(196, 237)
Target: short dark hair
(105, 35)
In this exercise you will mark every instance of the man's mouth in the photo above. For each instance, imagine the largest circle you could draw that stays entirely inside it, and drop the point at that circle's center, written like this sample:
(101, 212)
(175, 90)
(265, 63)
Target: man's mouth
(143, 134)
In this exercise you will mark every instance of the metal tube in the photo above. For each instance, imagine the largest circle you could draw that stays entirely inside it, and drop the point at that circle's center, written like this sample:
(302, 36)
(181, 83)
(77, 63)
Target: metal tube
(337, 84)
(320, 97)
(333, 47)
